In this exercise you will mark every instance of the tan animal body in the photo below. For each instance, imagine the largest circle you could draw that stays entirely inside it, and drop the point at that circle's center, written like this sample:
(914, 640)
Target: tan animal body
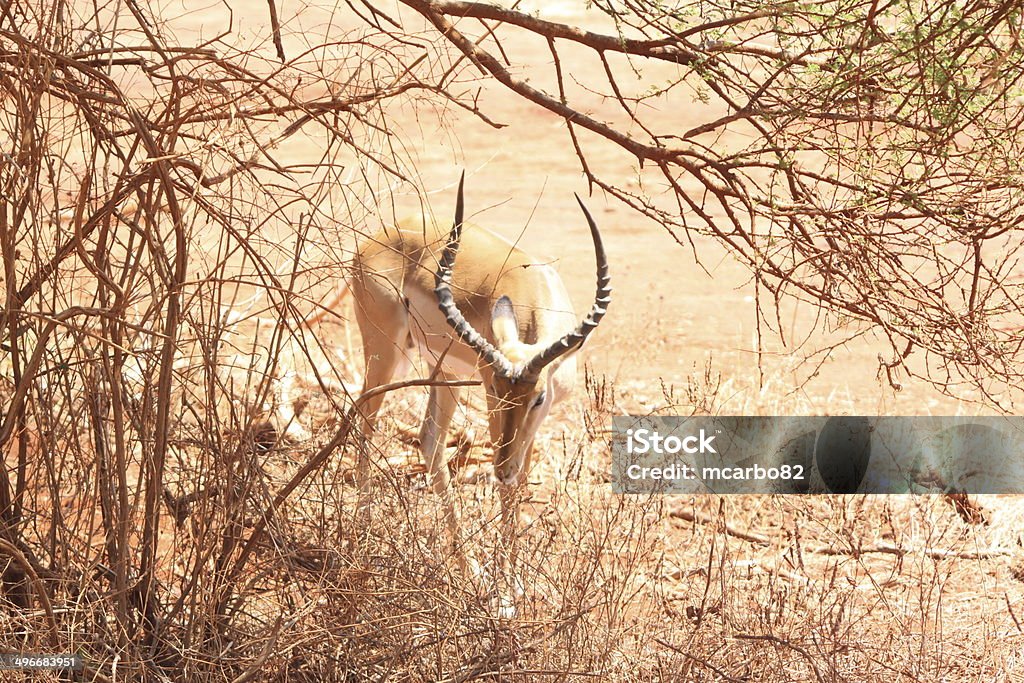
(498, 313)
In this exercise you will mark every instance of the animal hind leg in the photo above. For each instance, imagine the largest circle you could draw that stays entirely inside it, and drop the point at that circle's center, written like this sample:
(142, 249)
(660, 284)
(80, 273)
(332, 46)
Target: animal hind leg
(385, 351)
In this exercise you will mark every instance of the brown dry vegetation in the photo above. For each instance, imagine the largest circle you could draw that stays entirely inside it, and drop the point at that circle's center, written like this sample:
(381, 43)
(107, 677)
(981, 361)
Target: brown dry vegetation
(166, 218)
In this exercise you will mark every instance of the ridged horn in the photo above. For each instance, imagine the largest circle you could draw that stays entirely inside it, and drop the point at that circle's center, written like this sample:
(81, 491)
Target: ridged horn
(446, 302)
(602, 298)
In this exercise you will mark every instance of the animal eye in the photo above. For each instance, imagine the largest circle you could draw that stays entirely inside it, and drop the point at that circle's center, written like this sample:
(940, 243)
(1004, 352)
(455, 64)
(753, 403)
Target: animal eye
(540, 399)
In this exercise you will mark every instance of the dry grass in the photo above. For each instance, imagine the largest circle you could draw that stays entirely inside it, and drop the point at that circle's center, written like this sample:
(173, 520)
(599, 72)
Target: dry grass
(606, 587)
(644, 588)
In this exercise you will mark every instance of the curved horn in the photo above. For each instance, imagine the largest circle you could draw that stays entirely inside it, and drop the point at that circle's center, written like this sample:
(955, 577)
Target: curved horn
(602, 298)
(446, 302)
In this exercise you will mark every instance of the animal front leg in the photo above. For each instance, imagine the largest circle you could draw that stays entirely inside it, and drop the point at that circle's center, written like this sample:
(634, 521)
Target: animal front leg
(433, 434)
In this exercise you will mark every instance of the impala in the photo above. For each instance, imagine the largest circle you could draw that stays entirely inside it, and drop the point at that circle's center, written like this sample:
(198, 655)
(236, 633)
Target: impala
(500, 314)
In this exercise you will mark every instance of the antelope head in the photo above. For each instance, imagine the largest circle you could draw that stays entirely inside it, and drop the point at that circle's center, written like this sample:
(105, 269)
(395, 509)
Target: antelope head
(520, 378)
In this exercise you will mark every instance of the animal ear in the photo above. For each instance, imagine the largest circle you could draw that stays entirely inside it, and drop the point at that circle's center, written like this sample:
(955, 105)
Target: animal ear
(503, 321)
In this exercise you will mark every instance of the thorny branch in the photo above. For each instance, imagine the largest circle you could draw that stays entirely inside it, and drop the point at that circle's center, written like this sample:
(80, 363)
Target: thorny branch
(859, 156)
(144, 190)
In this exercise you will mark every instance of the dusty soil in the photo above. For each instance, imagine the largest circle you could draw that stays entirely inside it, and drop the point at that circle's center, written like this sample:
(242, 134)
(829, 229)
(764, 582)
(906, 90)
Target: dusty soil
(670, 318)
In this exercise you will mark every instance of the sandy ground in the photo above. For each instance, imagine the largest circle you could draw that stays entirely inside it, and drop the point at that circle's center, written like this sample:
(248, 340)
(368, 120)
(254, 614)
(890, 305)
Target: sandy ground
(670, 317)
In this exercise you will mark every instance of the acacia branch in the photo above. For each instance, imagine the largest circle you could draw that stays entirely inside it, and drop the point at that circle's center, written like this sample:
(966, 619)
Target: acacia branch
(493, 66)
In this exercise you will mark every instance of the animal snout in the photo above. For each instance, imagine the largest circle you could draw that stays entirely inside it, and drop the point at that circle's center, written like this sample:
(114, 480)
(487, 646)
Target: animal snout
(507, 476)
